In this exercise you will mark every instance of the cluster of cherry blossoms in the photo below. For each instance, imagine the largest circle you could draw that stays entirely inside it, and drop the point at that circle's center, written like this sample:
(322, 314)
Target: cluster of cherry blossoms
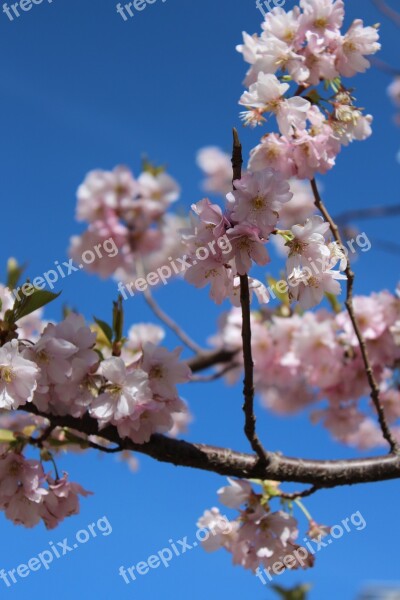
(72, 369)
(237, 238)
(29, 495)
(301, 360)
(305, 46)
(133, 213)
(258, 537)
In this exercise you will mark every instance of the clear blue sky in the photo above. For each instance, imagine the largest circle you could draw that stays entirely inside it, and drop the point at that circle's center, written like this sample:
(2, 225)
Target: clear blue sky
(81, 89)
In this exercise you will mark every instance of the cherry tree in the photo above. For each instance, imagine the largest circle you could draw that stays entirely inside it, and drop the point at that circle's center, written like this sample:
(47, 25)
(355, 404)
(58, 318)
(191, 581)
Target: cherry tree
(113, 388)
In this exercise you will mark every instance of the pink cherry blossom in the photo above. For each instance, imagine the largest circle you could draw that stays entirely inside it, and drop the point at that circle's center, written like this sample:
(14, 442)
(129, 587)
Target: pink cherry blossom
(104, 190)
(357, 43)
(217, 166)
(18, 377)
(61, 501)
(165, 370)
(127, 392)
(258, 198)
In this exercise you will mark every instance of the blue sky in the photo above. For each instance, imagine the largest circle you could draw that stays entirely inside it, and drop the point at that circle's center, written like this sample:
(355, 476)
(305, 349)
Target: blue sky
(82, 89)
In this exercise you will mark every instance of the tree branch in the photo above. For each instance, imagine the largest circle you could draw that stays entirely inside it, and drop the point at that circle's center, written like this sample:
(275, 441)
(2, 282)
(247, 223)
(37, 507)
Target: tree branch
(388, 11)
(223, 461)
(208, 359)
(169, 322)
(372, 212)
(248, 383)
(375, 394)
(304, 494)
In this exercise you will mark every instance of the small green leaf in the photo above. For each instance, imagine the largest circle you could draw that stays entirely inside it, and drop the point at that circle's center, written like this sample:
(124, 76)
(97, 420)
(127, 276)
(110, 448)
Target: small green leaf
(29, 304)
(334, 302)
(149, 167)
(14, 272)
(283, 296)
(6, 436)
(105, 328)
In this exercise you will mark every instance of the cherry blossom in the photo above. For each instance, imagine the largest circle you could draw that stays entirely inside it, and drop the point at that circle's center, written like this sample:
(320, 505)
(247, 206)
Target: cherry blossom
(18, 377)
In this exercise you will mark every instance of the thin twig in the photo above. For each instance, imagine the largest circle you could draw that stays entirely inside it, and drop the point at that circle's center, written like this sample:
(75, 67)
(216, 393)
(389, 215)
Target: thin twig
(385, 245)
(304, 494)
(248, 383)
(388, 11)
(372, 212)
(384, 66)
(210, 358)
(375, 395)
(214, 376)
(169, 322)
(166, 319)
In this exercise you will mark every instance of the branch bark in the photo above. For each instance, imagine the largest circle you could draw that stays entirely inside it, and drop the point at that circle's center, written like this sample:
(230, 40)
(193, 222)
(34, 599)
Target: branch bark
(248, 383)
(223, 461)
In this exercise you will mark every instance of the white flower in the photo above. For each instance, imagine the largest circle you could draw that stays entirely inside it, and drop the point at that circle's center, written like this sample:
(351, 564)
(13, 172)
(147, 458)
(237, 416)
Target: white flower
(235, 494)
(265, 93)
(127, 392)
(309, 288)
(18, 377)
(308, 243)
(396, 332)
(161, 188)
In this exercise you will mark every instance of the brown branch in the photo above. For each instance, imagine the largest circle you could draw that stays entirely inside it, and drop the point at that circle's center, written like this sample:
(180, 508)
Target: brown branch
(223, 461)
(169, 322)
(304, 494)
(388, 11)
(207, 359)
(248, 383)
(214, 376)
(367, 213)
(384, 67)
(375, 394)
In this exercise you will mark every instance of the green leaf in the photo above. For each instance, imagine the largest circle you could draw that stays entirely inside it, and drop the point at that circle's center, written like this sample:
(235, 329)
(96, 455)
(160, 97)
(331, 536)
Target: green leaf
(29, 304)
(14, 272)
(6, 436)
(149, 167)
(105, 328)
(283, 296)
(334, 302)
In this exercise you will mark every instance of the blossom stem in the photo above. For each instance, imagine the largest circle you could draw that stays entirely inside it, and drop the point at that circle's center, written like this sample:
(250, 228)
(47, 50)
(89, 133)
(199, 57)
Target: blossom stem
(375, 393)
(303, 509)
